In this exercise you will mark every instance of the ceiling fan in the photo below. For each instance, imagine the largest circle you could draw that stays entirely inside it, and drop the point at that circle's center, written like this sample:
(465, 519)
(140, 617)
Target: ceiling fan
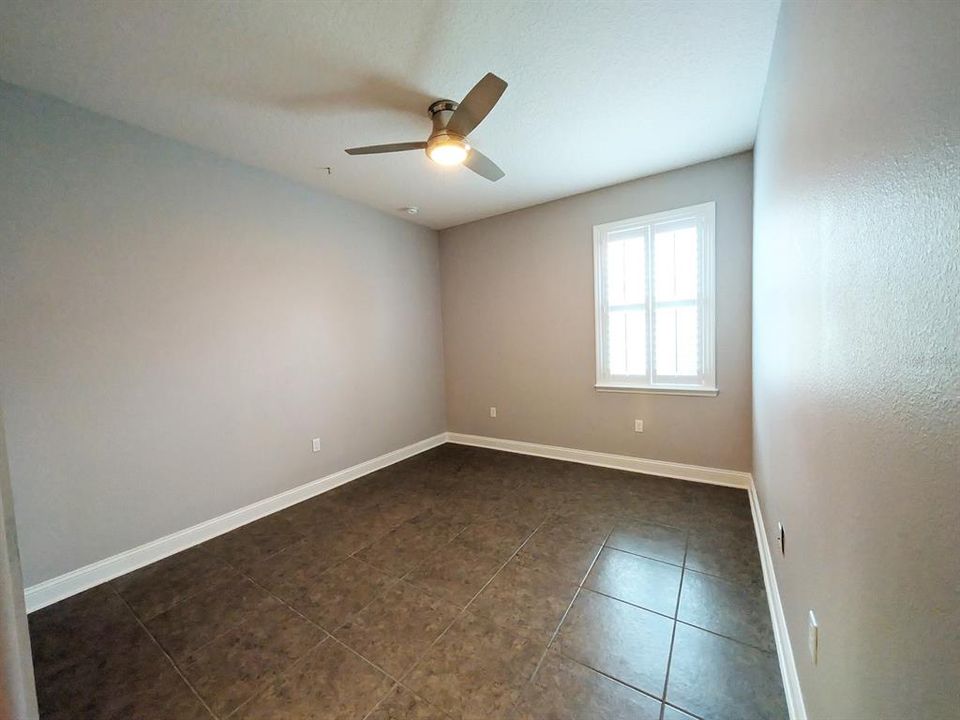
(452, 123)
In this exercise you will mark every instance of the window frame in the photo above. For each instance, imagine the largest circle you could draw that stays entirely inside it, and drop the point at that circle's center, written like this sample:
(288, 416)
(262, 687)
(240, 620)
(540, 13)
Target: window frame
(705, 214)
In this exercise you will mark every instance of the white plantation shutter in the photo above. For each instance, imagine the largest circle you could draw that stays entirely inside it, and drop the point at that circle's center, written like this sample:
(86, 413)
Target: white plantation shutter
(655, 303)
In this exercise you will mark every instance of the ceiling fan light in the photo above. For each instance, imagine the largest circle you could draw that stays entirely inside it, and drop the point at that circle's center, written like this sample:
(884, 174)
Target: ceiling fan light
(450, 152)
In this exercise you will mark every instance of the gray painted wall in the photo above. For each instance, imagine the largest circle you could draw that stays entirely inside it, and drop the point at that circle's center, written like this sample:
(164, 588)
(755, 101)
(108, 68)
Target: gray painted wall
(857, 349)
(518, 325)
(175, 328)
(18, 697)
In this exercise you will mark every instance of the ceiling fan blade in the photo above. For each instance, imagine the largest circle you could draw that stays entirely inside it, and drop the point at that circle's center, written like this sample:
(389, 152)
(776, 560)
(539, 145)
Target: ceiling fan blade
(483, 166)
(476, 105)
(395, 147)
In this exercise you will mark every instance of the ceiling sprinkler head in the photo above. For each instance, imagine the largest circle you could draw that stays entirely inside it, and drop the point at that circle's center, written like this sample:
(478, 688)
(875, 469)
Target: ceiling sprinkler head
(411, 210)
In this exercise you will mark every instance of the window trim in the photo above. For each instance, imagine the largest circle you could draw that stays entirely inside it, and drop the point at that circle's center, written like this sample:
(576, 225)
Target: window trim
(705, 214)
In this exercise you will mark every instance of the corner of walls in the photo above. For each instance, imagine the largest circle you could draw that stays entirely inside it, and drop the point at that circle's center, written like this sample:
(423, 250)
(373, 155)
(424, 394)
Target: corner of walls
(781, 632)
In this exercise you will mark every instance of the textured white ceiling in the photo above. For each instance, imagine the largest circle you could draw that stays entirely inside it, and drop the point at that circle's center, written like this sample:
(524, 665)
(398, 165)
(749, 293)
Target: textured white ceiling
(600, 92)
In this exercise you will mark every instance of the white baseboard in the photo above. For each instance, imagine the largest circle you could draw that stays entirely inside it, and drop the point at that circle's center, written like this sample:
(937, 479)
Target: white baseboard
(75, 581)
(788, 668)
(696, 473)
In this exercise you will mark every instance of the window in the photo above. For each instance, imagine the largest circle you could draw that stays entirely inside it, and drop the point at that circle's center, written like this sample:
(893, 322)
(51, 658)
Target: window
(654, 288)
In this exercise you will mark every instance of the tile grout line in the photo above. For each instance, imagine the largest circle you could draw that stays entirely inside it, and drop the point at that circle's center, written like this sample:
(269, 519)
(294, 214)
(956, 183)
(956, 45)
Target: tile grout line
(267, 685)
(329, 635)
(673, 633)
(396, 683)
(676, 618)
(243, 574)
(566, 612)
(641, 555)
(464, 610)
(173, 664)
(632, 604)
(243, 622)
(615, 679)
(366, 660)
(379, 702)
(408, 671)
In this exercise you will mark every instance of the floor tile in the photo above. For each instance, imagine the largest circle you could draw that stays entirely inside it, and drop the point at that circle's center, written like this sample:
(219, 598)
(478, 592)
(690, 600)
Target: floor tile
(556, 551)
(165, 695)
(651, 584)
(80, 675)
(201, 618)
(79, 670)
(497, 536)
(591, 527)
(252, 543)
(330, 683)
(295, 571)
(526, 600)
(330, 598)
(721, 679)
(650, 540)
(456, 572)
(395, 508)
(158, 587)
(402, 549)
(671, 713)
(232, 668)
(727, 554)
(398, 627)
(476, 670)
(565, 690)
(64, 634)
(333, 533)
(402, 704)
(620, 640)
(737, 611)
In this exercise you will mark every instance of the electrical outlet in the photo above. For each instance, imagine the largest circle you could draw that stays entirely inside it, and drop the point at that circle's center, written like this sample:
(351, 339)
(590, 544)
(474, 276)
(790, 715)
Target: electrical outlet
(493, 412)
(638, 425)
(782, 538)
(316, 444)
(813, 637)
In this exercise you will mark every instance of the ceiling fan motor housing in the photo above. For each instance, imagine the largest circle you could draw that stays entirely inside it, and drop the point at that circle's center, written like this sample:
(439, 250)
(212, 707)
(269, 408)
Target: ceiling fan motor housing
(440, 113)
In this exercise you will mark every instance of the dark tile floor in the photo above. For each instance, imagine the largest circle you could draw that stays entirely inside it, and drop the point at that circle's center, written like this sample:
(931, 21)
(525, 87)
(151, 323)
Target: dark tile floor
(462, 583)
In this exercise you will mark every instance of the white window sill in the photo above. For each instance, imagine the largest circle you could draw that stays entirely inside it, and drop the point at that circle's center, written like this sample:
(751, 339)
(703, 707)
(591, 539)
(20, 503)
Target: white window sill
(661, 390)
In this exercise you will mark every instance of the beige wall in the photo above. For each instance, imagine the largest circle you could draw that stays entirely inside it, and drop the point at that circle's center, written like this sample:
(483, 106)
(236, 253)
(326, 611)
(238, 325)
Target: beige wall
(175, 328)
(518, 325)
(857, 349)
